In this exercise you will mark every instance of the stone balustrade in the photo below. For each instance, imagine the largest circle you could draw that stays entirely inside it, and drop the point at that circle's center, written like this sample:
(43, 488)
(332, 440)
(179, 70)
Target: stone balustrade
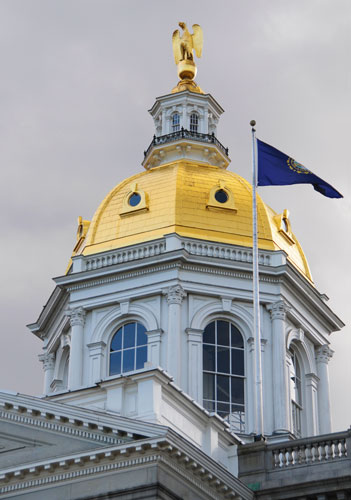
(310, 451)
(126, 255)
(224, 252)
(192, 247)
(275, 470)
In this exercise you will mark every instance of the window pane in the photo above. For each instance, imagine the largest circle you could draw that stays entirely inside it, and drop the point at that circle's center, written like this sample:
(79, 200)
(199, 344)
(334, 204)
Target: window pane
(209, 357)
(209, 334)
(237, 339)
(141, 357)
(209, 405)
(223, 409)
(129, 335)
(223, 359)
(237, 362)
(209, 386)
(222, 332)
(237, 390)
(115, 363)
(128, 360)
(141, 335)
(116, 343)
(222, 388)
(238, 408)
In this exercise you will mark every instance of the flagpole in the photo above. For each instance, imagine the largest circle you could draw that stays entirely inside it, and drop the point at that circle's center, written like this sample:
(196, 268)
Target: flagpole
(259, 429)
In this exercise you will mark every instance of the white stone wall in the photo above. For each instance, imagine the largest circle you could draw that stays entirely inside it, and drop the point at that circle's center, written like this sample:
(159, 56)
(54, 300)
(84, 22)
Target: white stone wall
(175, 302)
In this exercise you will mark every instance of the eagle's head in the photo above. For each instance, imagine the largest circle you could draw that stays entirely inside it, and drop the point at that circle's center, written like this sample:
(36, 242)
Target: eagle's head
(182, 25)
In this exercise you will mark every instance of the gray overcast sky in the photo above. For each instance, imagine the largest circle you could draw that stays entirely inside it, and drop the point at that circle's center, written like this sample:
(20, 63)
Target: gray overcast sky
(77, 79)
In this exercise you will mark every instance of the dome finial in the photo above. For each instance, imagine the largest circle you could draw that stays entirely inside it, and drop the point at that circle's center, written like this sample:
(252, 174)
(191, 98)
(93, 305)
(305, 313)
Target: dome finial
(183, 47)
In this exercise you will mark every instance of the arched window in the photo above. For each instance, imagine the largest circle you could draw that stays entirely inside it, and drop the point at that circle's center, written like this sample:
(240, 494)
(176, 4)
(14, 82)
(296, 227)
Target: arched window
(194, 122)
(175, 122)
(296, 393)
(224, 372)
(128, 349)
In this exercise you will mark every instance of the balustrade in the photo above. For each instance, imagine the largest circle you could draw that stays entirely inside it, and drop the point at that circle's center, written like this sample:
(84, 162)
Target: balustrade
(185, 134)
(308, 451)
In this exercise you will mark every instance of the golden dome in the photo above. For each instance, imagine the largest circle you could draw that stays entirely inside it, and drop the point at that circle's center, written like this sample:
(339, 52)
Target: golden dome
(180, 197)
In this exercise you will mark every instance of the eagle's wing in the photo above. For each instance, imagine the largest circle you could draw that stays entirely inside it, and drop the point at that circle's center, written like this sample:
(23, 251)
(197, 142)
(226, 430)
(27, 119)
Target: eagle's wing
(198, 39)
(176, 46)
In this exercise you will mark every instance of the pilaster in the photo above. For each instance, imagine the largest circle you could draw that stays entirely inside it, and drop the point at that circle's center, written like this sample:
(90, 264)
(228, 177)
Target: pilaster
(195, 389)
(154, 347)
(97, 358)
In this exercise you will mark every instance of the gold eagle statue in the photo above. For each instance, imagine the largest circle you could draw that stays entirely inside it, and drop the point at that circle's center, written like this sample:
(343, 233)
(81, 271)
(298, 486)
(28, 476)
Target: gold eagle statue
(184, 45)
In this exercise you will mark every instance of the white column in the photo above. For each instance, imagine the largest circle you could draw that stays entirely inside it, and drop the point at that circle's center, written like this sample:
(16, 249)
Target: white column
(154, 347)
(323, 355)
(48, 360)
(75, 372)
(280, 377)
(195, 364)
(175, 295)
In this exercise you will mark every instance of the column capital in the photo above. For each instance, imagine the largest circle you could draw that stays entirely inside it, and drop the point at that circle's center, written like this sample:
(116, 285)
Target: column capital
(48, 360)
(278, 309)
(324, 354)
(175, 294)
(77, 316)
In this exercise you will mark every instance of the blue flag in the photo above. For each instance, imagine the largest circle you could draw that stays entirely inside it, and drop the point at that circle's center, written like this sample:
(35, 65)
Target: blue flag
(277, 169)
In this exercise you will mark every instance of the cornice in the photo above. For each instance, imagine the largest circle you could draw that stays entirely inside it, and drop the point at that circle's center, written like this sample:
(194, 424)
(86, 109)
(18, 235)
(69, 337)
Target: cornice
(170, 450)
(69, 419)
(223, 262)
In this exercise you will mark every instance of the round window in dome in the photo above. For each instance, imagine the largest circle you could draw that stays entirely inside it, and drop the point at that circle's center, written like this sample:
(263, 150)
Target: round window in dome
(221, 196)
(134, 199)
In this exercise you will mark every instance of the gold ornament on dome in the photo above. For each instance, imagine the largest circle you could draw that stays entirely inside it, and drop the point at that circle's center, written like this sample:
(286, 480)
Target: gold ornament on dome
(183, 47)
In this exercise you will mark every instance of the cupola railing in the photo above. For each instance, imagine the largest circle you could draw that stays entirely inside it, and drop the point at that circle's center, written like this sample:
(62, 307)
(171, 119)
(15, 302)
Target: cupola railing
(186, 134)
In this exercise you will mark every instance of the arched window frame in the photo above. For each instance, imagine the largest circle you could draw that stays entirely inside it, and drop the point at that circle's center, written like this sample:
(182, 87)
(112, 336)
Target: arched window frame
(296, 386)
(194, 122)
(132, 348)
(297, 343)
(235, 418)
(175, 122)
(107, 326)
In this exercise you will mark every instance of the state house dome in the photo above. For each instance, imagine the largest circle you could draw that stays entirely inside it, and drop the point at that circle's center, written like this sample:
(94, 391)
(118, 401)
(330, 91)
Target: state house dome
(186, 188)
(194, 200)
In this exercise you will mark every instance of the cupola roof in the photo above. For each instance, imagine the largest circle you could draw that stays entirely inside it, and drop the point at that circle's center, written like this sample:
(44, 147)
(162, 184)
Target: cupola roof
(191, 199)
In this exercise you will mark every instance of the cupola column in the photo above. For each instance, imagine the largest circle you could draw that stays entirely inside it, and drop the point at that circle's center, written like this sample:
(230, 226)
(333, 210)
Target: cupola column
(323, 355)
(75, 371)
(48, 360)
(175, 295)
(280, 377)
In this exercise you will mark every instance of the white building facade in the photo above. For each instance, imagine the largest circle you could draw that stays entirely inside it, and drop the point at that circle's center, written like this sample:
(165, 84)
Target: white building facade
(152, 325)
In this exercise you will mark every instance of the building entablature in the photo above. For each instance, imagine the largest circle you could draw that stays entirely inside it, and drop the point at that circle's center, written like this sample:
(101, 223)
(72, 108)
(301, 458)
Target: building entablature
(172, 256)
(73, 420)
(192, 468)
